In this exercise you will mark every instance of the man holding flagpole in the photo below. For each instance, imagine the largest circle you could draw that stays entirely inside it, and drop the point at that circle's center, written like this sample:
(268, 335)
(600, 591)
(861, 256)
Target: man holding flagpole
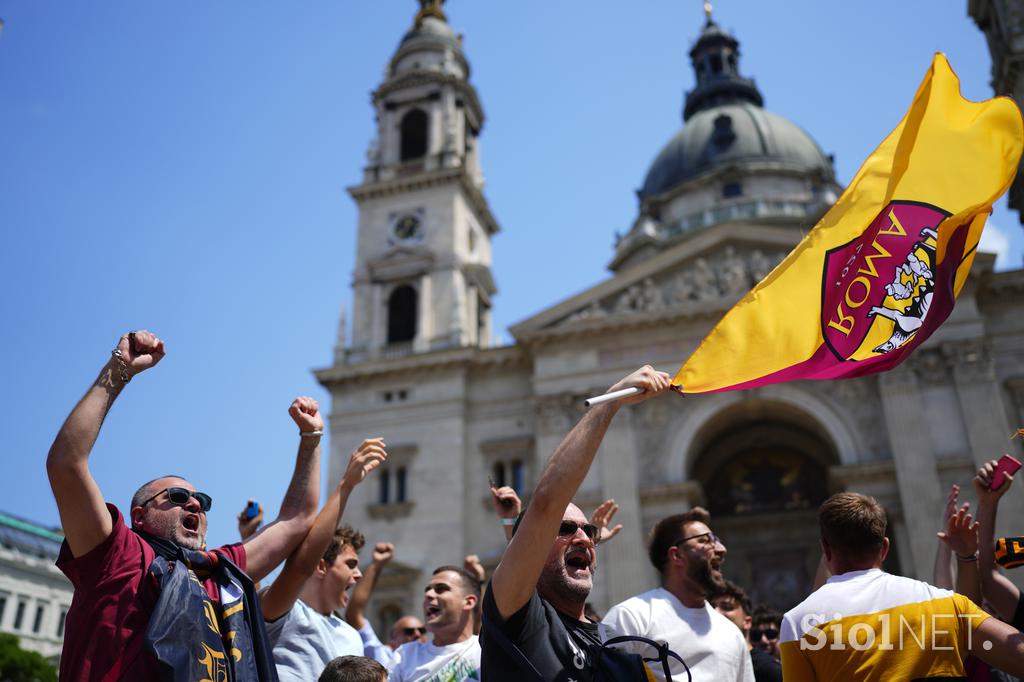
(533, 626)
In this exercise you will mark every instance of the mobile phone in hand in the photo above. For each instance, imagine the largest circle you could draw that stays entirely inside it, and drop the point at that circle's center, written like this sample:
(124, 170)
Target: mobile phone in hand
(1005, 465)
(252, 509)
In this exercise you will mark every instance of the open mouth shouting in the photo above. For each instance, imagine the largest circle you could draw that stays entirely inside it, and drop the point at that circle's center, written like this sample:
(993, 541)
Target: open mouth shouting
(579, 563)
(432, 611)
(191, 523)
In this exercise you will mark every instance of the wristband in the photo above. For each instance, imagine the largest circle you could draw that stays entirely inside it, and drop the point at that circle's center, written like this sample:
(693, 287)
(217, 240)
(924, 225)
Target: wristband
(969, 557)
(508, 522)
(310, 434)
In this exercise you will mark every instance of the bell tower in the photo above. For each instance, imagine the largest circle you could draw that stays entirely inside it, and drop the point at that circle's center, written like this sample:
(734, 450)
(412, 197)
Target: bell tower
(422, 278)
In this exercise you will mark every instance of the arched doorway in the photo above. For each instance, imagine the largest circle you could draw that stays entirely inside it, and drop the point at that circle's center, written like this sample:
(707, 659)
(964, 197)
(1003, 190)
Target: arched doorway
(764, 472)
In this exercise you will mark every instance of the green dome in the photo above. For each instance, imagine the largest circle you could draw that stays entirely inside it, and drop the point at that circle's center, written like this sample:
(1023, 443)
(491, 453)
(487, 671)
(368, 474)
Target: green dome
(731, 134)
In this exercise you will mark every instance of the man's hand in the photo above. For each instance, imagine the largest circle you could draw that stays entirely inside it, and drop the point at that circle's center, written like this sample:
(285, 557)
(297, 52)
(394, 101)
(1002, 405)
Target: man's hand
(473, 566)
(140, 350)
(306, 413)
(961, 535)
(602, 516)
(507, 504)
(647, 378)
(247, 527)
(383, 553)
(365, 459)
(982, 481)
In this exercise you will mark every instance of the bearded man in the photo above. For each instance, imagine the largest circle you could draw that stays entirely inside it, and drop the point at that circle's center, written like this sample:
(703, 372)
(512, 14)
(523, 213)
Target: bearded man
(534, 627)
(688, 556)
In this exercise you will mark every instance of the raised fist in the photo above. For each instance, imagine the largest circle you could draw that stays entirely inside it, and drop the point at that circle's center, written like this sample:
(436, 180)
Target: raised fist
(473, 566)
(306, 413)
(140, 350)
(507, 504)
(367, 457)
(383, 552)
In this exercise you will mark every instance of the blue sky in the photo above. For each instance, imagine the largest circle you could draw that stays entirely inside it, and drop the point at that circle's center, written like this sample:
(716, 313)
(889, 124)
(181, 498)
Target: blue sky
(181, 167)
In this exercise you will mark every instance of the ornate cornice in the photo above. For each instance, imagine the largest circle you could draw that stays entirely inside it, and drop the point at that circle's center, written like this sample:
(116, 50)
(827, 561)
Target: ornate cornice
(467, 357)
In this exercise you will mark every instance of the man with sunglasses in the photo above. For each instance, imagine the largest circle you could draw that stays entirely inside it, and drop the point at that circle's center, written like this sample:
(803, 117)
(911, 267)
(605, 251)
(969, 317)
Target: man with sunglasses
(688, 556)
(534, 625)
(132, 612)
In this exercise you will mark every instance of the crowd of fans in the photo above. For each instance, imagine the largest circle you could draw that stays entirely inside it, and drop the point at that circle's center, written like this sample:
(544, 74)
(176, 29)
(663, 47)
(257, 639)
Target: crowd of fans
(153, 603)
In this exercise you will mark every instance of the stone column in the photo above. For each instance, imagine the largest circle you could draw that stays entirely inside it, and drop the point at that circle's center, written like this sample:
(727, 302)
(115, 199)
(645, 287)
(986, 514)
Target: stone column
(916, 475)
(622, 562)
(984, 416)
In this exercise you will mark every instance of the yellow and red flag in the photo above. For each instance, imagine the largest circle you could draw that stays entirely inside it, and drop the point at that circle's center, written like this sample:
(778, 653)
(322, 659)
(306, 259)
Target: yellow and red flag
(882, 269)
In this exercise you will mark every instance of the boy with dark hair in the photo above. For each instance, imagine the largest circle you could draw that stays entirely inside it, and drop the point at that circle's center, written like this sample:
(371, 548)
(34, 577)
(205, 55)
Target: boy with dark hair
(865, 624)
(732, 602)
(299, 606)
(765, 624)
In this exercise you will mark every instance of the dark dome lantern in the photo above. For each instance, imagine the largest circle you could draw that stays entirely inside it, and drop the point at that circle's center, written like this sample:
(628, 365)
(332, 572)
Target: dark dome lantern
(726, 126)
(715, 59)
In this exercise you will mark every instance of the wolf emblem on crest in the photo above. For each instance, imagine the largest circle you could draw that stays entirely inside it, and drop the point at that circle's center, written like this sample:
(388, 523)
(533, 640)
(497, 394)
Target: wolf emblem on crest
(913, 284)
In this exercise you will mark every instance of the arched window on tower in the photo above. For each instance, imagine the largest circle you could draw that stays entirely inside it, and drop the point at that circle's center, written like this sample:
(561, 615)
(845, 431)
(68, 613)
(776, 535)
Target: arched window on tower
(414, 135)
(402, 314)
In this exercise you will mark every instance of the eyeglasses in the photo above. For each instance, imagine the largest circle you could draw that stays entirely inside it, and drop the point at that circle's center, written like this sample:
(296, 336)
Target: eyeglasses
(570, 528)
(708, 538)
(768, 632)
(180, 497)
(411, 632)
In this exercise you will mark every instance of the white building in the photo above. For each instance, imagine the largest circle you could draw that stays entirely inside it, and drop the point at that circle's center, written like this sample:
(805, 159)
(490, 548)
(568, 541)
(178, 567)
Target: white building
(729, 195)
(34, 594)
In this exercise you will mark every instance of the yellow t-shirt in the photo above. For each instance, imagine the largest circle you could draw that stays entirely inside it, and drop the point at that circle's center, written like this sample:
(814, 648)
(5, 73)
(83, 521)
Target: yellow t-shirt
(870, 625)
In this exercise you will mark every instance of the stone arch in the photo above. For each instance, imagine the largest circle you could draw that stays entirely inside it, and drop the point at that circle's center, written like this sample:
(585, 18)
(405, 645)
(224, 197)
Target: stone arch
(781, 400)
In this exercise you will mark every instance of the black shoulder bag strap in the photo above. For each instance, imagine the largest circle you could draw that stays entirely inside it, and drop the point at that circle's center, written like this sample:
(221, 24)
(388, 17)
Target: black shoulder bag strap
(510, 648)
(664, 653)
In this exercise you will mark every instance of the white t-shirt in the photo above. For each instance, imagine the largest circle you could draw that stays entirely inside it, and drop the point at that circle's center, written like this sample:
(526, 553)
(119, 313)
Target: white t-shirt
(424, 662)
(710, 644)
(305, 641)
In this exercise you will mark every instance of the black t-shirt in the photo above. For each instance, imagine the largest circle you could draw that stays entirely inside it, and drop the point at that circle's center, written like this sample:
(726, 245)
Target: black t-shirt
(766, 668)
(559, 646)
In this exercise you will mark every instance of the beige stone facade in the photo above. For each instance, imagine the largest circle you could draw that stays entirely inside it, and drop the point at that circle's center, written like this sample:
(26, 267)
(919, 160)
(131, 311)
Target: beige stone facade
(455, 411)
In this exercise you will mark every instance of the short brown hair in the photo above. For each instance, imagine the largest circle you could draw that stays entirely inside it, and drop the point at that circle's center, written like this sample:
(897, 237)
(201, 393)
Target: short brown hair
(853, 525)
(353, 669)
(470, 584)
(669, 532)
(732, 591)
(346, 535)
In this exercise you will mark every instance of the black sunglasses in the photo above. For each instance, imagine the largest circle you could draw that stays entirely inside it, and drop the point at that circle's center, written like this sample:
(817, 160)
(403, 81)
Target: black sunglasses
(180, 497)
(769, 632)
(409, 632)
(570, 528)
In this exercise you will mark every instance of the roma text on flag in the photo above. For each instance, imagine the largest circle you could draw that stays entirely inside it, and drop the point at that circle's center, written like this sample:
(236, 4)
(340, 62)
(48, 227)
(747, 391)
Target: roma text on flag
(882, 269)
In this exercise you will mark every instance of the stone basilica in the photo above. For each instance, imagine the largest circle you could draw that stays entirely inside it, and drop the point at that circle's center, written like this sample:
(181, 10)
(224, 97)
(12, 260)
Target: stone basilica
(726, 198)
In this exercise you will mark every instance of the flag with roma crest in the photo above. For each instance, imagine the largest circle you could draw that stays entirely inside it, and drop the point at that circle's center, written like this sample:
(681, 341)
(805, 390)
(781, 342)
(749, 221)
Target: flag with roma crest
(882, 268)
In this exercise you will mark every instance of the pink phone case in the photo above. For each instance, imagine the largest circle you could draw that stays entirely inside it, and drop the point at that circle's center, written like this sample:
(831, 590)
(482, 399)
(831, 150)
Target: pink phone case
(1005, 465)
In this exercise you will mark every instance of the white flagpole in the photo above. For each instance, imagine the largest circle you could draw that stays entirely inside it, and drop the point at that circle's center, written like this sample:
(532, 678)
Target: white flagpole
(614, 395)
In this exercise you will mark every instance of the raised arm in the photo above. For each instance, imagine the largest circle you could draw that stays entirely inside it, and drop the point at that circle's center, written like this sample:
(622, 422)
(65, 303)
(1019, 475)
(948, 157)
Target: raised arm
(961, 536)
(361, 592)
(998, 590)
(515, 579)
(942, 573)
(280, 596)
(1000, 645)
(268, 548)
(83, 512)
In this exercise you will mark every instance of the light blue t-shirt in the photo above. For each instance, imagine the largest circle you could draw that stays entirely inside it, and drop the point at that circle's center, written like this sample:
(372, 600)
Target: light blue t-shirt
(305, 641)
(374, 648)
